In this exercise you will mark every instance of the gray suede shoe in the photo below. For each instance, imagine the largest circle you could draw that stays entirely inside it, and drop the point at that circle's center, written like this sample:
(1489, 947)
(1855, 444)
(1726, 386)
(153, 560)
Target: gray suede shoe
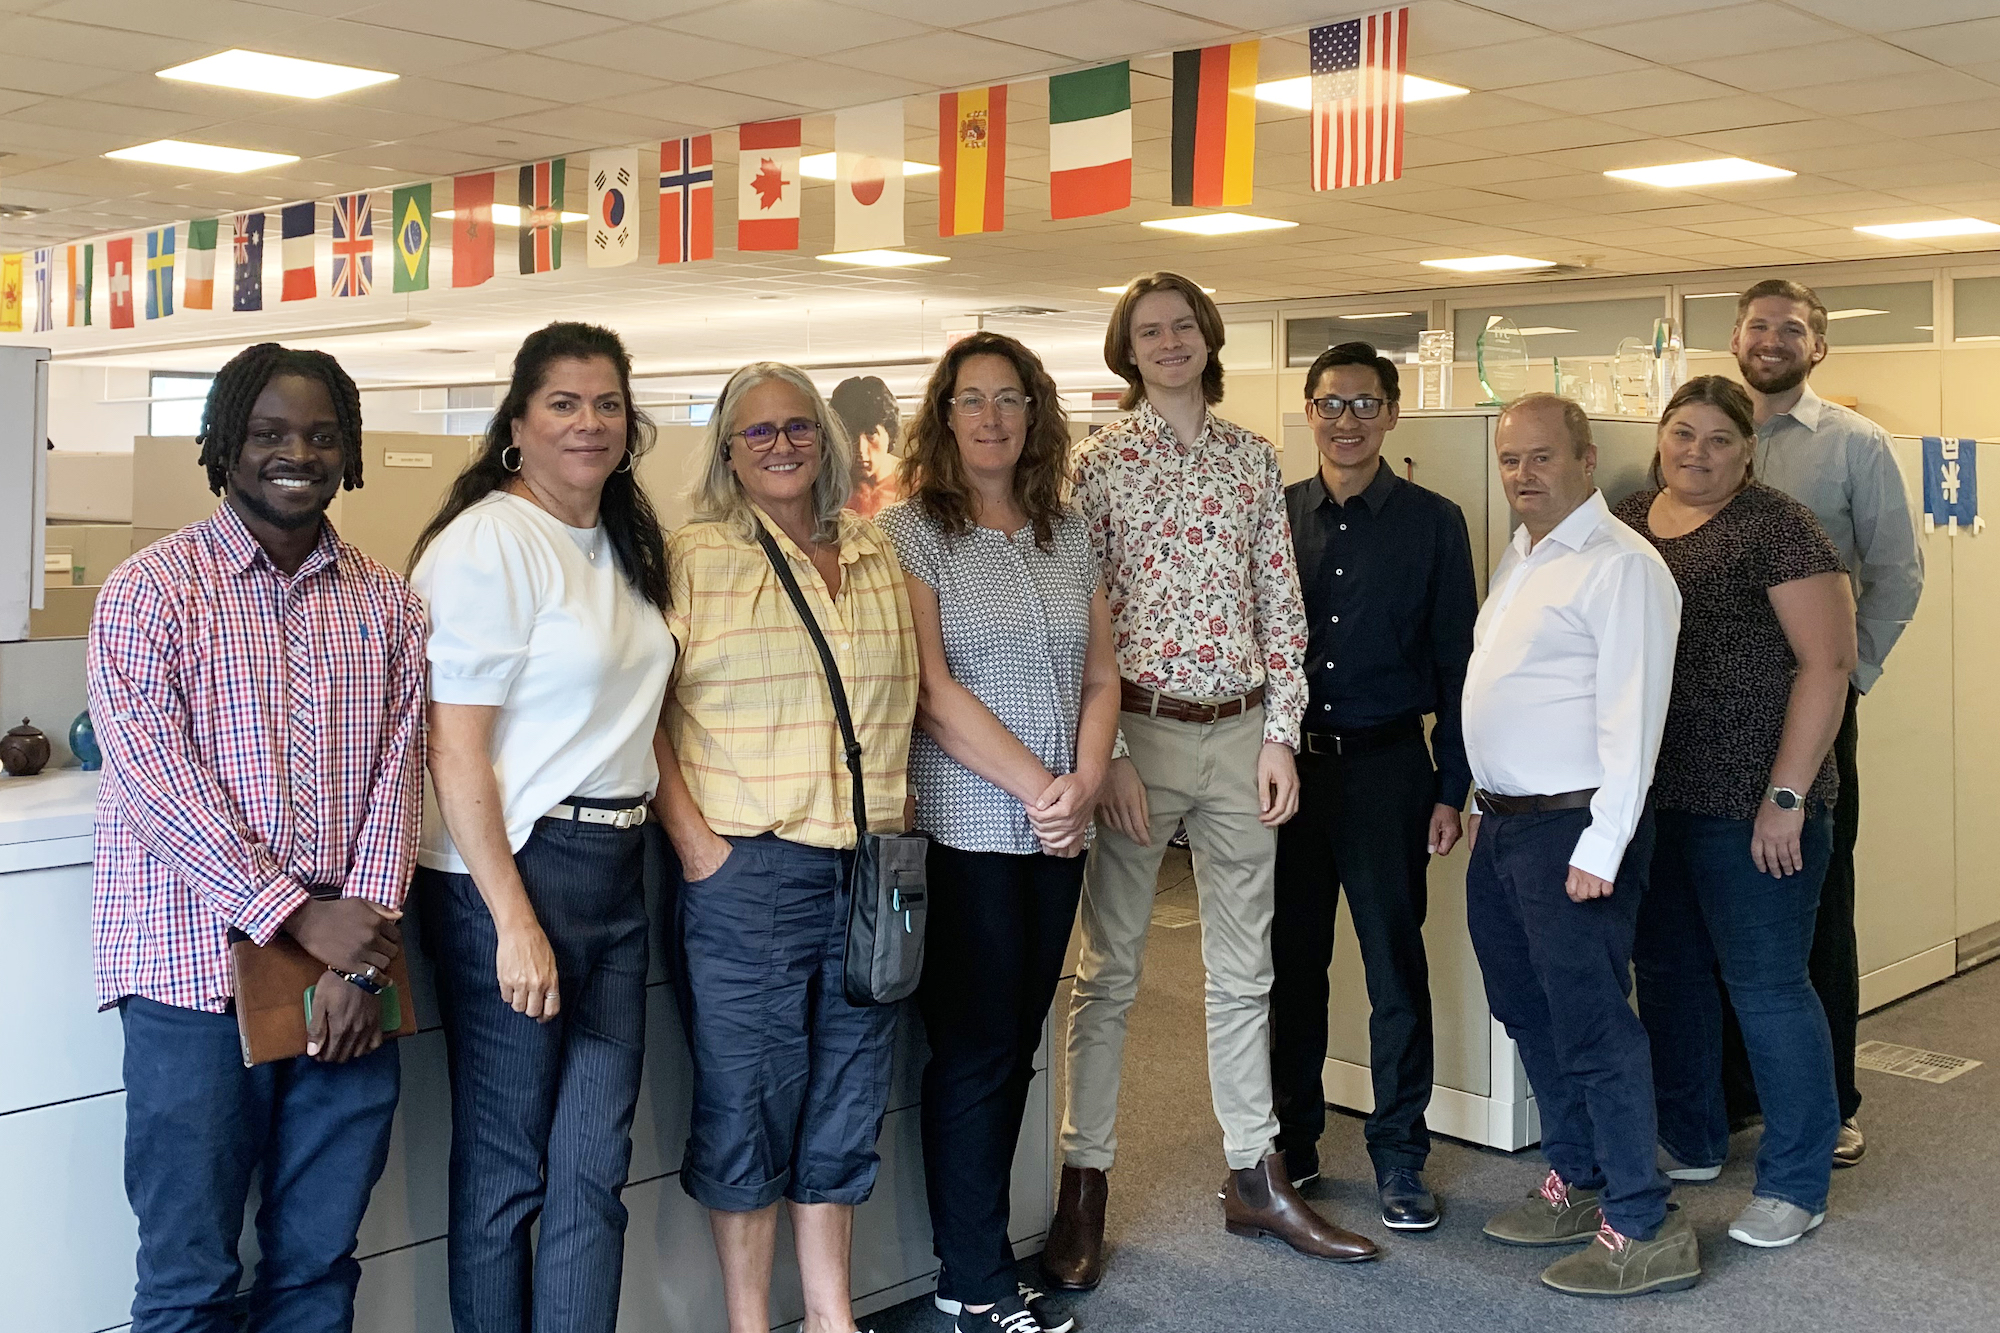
(1617, 1265)
(1771, 1224)
(1555, 1214)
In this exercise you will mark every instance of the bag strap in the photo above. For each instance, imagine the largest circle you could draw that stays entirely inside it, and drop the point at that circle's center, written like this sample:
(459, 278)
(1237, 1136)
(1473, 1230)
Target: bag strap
(833, 683)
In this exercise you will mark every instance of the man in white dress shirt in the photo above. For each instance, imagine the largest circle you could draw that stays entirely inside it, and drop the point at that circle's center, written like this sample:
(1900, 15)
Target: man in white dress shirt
(1565, 699)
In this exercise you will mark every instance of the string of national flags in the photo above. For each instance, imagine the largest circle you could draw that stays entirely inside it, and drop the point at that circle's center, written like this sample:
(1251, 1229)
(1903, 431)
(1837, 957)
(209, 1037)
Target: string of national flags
(1357, 69)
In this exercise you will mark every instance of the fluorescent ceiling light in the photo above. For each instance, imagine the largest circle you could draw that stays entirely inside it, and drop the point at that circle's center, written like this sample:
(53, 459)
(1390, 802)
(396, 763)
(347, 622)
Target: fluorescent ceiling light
(1716, 171)
(255, 72)
(883, 258)
(1120, 291)
(1381, 314)
(1539, 329)
(1297, 93)
(1856, 313)
(823, 167)
(1918, 231)
(200, 156)
(1218, 224)
(509, 215)
(1488, 263)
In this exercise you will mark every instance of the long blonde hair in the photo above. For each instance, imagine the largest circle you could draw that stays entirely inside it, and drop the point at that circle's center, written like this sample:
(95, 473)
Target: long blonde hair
(717, 496)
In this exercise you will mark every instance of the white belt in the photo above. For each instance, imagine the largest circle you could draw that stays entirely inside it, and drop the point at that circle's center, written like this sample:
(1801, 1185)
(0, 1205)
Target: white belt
(630, 817)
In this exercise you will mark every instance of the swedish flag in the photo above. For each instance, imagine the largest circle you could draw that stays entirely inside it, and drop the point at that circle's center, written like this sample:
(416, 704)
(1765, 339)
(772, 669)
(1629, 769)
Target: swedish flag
(411, 210)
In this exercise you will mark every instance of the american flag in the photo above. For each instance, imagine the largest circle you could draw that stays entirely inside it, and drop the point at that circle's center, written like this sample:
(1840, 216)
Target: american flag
(687, 200)
(1357, 100)
(353, 246)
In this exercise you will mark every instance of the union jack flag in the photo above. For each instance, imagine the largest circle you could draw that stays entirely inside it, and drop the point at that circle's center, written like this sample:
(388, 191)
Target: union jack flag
(353, 246)
(1357, 99)
(687, 200)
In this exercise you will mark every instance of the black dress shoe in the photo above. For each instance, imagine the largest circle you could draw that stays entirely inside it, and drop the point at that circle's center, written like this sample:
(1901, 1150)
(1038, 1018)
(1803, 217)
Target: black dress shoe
(1406, 1204)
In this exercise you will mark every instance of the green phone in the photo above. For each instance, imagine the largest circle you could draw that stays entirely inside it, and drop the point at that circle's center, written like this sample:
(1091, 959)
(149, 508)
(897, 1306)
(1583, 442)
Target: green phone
(392, 1007)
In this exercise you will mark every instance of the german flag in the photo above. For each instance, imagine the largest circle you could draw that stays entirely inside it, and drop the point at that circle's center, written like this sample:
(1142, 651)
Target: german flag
(1215, 124)
(972, 161)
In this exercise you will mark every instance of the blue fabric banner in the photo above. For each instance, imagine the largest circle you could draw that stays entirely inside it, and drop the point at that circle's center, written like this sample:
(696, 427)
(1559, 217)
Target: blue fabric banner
(1951, 486)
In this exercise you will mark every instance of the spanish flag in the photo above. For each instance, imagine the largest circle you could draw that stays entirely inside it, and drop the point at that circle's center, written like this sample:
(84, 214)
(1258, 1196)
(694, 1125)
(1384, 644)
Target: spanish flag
(972, 161)
(1215, 124)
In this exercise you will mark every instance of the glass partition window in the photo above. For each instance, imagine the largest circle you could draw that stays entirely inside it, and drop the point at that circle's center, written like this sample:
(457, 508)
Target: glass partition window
(1392, 331)
(1868, 314)
(1564, 328)
(1975, 309)
(177, 404)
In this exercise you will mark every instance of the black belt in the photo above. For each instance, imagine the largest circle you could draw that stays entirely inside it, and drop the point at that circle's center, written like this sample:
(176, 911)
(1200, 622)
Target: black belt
(1362, 740)
(1486, 803)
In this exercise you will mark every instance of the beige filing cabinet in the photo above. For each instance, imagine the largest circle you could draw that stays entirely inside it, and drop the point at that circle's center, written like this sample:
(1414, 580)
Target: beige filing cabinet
(1482, 1093)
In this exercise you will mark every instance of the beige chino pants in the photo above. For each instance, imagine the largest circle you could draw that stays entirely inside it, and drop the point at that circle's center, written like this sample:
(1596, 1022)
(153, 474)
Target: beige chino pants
(1207, 775)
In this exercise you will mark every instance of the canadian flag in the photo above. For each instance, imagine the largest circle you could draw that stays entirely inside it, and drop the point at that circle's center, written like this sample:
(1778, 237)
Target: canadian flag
(118, 266)
(767, 186)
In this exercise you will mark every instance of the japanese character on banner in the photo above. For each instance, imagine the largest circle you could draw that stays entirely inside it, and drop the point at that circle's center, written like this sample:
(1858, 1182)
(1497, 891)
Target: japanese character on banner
(1951, 486)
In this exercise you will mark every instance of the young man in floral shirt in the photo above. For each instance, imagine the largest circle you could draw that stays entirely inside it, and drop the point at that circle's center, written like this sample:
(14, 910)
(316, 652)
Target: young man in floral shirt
(1187, 513)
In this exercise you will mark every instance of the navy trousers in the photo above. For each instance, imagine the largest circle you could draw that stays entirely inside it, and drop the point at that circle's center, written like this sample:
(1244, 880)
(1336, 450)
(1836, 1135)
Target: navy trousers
(198, 1125)
(541, 1113)
(1557, 975)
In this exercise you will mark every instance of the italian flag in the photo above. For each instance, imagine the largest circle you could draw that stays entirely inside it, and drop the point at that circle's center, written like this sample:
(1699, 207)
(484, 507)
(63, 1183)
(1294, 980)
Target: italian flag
(1090, 141)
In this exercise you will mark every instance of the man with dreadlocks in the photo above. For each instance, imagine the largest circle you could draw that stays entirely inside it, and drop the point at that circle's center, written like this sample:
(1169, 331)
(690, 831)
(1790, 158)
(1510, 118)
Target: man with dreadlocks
(257, 685)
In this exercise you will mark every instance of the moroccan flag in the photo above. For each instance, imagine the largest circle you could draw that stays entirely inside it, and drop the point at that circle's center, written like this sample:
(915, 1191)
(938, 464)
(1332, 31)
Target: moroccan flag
(299, 224)
(118, 268)
(1090, 141)
(614, 209)
(471, 229)
(198, 280)
(81, 271)
(541, 216)
(160, 273)
(868, 177)
(10, 293)
(1215, 124)
(687, 199)
(767, 186)
(353, 272)
(972, 160)
(249, 262)
(45, 289)
(410, 216)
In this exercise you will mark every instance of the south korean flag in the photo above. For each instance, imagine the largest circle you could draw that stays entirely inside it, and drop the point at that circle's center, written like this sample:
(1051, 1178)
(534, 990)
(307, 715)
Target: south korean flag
(614, 209)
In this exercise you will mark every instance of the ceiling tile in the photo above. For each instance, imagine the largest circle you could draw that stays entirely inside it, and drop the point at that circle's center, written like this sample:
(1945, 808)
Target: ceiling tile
(829, 87)
(660, 54)
(1820, 64)
(951, 59)
(1534, 61)
(1876, 16)
(515, 24)
(1616, 92)
(556, 80)
(371, 46)
(1708, 115)
(691, 104)
(1953, 43)
(57, 78)
(107, 48)
(1570, 15)
(1103, 29)
(1676, 40)
(455, 101)
(1861, 96)
(797, 27)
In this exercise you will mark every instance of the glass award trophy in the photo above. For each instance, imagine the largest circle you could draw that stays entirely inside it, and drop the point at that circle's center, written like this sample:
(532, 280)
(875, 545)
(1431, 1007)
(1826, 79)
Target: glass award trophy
(1632, 378)
(1503, 362)
(1434, 354)
(1670, 362)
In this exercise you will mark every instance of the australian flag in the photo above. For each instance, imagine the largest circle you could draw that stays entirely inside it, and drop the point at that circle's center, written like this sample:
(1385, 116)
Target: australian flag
(1951, 486)
(249, 256)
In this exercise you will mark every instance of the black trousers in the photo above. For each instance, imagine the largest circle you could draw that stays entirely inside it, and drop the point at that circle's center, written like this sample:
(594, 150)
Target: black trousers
(1835, 964)
(993, 951)
(1362, 825)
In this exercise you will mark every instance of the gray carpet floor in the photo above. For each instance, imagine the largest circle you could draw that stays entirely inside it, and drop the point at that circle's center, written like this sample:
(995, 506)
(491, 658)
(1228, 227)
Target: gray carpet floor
(1911, 1240)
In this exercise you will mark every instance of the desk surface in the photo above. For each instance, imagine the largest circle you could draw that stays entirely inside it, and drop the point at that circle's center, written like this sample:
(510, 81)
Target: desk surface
(46, 820)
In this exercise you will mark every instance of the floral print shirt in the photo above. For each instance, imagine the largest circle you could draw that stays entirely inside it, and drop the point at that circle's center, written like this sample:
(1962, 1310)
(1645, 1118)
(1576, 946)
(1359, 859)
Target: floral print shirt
(1197, 556)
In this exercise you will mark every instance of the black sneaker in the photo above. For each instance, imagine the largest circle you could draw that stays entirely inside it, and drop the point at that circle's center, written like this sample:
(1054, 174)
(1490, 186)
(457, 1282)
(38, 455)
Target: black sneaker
(1047, 1317)
(1008, 1316)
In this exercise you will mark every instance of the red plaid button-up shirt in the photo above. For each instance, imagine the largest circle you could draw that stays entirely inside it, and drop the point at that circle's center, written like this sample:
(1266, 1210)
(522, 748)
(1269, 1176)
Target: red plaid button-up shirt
(261, 733)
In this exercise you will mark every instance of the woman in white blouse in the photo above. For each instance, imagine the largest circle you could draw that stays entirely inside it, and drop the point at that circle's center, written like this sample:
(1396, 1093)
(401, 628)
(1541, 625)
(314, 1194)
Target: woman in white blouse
(545, 579)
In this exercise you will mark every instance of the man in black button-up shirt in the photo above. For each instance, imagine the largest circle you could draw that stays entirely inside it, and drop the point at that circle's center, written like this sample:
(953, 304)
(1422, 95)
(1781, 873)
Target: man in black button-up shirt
(1386, 569)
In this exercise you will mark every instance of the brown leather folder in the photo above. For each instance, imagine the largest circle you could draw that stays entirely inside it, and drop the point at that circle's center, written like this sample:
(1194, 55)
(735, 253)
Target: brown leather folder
(271, 985)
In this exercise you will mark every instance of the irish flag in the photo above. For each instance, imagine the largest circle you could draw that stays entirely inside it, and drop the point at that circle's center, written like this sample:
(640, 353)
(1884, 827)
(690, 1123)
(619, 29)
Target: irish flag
(1090, 141)
(972, 161)
(198, 268)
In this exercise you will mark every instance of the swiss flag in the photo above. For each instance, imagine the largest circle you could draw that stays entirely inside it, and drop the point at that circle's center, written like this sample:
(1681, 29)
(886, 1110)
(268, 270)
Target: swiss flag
(118, 267)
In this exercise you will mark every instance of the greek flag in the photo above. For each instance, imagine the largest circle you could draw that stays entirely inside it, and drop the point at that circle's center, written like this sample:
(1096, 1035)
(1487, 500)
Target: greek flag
(1951, 486)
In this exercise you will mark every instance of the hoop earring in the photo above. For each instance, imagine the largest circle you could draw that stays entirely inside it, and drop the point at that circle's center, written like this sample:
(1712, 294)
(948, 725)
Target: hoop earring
(516, 466)
(626, 466)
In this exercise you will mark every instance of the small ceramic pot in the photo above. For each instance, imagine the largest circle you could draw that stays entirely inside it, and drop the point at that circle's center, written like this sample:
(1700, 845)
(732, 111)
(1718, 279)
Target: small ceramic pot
(24, 750)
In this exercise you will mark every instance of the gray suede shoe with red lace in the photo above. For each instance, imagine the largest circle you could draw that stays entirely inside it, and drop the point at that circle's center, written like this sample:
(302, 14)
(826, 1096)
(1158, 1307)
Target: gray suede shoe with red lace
(1617, 1265)
(1555, 1214)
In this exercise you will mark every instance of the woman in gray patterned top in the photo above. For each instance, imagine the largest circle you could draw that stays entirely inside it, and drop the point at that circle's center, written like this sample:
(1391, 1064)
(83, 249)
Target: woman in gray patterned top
(1016, 714)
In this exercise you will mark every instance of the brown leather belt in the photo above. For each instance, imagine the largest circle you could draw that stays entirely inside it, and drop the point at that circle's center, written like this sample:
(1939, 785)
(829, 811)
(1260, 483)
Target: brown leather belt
(1486, 803)
(1137, 699)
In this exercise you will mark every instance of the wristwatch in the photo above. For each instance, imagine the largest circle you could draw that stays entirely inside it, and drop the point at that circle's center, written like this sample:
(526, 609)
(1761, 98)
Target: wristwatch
(1784, 798)
(367, 979)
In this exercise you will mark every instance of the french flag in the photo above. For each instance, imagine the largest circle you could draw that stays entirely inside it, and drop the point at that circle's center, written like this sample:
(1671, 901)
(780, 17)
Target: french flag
(300, 225)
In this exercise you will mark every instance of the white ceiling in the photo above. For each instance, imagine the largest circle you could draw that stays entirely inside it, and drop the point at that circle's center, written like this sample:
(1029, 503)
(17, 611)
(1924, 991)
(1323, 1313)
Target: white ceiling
(1888, 110)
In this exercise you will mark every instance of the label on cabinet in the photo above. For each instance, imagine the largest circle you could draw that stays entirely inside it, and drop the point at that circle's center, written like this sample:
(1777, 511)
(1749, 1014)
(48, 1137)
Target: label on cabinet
(406, 460)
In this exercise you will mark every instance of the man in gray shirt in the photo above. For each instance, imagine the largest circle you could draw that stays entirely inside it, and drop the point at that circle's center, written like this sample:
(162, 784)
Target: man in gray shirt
(1838, 464)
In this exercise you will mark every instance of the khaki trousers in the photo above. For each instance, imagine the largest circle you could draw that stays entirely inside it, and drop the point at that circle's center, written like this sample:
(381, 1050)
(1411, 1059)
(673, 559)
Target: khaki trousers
(1207, 775)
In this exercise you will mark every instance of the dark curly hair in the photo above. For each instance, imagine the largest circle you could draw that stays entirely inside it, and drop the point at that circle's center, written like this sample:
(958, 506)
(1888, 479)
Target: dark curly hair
(225, 419)
(933, 475)
(624, 509)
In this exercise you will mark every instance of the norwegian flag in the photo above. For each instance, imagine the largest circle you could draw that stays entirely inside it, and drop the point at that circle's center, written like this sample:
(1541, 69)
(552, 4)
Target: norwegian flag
(1357, 100)
(687, 199)
(353, 246)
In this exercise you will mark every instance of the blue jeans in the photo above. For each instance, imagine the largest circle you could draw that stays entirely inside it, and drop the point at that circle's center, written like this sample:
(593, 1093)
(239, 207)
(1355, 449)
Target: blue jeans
(790, 1080)
(198, 1124)
(541, 1113)
(1557, 975)
(1711, 907)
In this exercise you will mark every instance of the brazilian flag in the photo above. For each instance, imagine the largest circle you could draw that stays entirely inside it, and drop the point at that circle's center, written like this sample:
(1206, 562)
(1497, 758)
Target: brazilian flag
(411, 211)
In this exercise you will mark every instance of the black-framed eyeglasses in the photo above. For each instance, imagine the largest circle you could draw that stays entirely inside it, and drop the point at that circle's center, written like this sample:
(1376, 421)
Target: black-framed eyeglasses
(763, 437)
(1366, 408)
(1010, 403)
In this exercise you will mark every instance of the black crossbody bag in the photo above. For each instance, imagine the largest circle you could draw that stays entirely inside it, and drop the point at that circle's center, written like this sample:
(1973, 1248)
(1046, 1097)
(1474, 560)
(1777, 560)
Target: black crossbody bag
(887, 893)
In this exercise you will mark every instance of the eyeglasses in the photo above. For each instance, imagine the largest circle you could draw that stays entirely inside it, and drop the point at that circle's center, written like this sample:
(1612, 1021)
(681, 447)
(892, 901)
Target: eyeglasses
(1011, 404)
(1329, 408)
(763, 437)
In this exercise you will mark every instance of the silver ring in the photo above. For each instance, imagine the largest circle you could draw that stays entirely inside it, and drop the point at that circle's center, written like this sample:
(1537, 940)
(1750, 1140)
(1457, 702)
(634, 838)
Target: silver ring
(550, 996)
(369, 973)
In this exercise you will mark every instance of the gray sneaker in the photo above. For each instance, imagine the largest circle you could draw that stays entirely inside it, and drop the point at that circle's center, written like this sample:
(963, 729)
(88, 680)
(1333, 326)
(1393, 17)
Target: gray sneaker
(1673, 1168)
(1770, 1224)
(1553, 1215)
